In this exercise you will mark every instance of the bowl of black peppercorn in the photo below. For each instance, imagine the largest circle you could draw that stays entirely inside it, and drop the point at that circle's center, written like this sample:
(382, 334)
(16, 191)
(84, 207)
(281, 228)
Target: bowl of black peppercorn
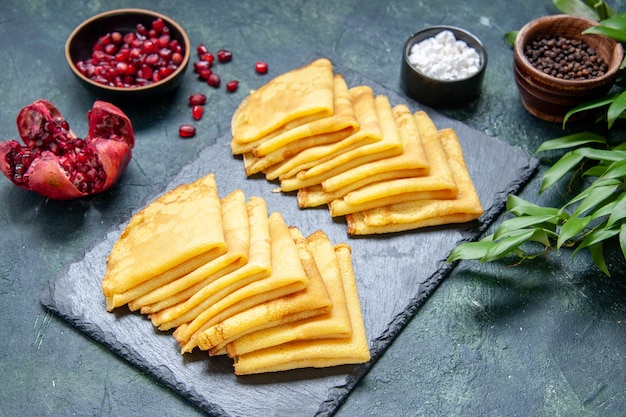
(557, 66)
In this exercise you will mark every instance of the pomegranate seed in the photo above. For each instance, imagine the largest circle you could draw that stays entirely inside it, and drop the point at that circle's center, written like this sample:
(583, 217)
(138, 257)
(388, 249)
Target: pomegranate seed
(141, 29)
(129, 37)
(152, 47)
(158, 25)
(208, 57)
(232, 86)
(197, 111)
(116, 37)
(214, 80)
(177, 58)
(261, 67)
(163, 41)
(204, 74)
(201, 65)
(224, 55)
(202, 49)
(197, 99)
(186, 131)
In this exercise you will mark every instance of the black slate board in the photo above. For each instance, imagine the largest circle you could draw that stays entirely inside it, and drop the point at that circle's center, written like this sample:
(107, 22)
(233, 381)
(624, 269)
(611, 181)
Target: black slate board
(396, 274)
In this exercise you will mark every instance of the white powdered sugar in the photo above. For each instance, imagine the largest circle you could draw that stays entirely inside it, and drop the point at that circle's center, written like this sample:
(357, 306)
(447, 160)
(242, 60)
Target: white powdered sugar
(444, 57)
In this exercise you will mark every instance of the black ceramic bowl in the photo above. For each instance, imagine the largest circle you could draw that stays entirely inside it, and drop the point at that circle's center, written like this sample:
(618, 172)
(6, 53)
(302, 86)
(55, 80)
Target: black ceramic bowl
(80, 43)
(436, 92)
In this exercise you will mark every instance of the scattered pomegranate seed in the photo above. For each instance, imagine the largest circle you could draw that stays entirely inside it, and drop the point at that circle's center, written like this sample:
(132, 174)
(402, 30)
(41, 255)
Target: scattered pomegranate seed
(197, 99)
(232, 86)
(201, 65)
(224, 55)
(214, 80)
(208, 57)
(197, 111)
(186, 131)
(202, 49)
(261, 67)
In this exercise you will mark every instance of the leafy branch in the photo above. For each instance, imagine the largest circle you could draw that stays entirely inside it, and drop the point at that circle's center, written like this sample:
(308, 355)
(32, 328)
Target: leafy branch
(596, 215)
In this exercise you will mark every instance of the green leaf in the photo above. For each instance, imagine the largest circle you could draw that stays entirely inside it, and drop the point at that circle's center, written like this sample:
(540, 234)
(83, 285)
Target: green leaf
(510, 37)
(519, 207)
(571, 141)
(622, 239)
(616, 108)
(512, 226)
(602, 154)
(560, 169)
(576, 8)
(616, 170)
(617, 34)
(597, 255)
(595, 171)
(596, 237)
(470, 250)
(571, 228)
(618, 212)
(505, 246)
(589, 105)
(604, 210)
(593, 197)
(617, 21)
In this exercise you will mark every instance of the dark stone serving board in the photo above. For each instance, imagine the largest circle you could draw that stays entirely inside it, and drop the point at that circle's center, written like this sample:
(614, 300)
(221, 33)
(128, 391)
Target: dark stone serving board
(396, 273)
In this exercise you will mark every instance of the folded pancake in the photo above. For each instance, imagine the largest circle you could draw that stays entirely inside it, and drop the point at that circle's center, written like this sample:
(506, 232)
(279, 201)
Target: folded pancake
(237, 238)
(362, 98)
(295, 97)
(412, 162)
(257, 267)
(422, 213)
(333, 324)
(390, 145)
(287, 277)
(311, 301)
(170, 237)
(316, 353)
(438, 184)
(285, 142)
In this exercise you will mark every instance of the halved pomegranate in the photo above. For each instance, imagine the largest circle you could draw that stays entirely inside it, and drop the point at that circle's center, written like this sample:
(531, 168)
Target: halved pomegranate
(55, 163)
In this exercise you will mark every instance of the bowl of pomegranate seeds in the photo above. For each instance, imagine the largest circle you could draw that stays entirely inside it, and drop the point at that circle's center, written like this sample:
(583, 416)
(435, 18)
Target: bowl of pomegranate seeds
(557, 67)
(128, 54)
(443, 66)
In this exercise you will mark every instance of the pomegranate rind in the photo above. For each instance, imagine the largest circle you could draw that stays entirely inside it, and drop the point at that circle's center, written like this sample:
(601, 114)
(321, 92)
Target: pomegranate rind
(47, 178)
(110, 135)
(108, 121)
(115, 158)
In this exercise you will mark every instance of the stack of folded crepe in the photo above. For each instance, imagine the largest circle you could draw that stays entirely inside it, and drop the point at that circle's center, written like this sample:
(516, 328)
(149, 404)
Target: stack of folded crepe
(228, 278)
(382, 167)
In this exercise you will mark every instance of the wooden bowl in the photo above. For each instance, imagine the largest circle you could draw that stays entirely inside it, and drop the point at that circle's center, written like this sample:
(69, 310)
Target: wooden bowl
(548, 97)
(80, 43)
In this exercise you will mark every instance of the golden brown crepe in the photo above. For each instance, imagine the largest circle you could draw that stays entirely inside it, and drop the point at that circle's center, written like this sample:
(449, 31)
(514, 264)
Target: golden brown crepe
(412, 162)
(295, 97)
(311, 301)
(390, 145)
(316, 353)
(287, 277)
(286, 142)
(173, 235)
(422, 213)
(369, 131)
(438, 184)
(333, 324)
(237, 237)
(257, 267)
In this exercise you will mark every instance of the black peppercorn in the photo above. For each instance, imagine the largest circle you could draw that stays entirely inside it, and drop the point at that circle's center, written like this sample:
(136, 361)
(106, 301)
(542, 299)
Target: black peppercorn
(564, 58)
